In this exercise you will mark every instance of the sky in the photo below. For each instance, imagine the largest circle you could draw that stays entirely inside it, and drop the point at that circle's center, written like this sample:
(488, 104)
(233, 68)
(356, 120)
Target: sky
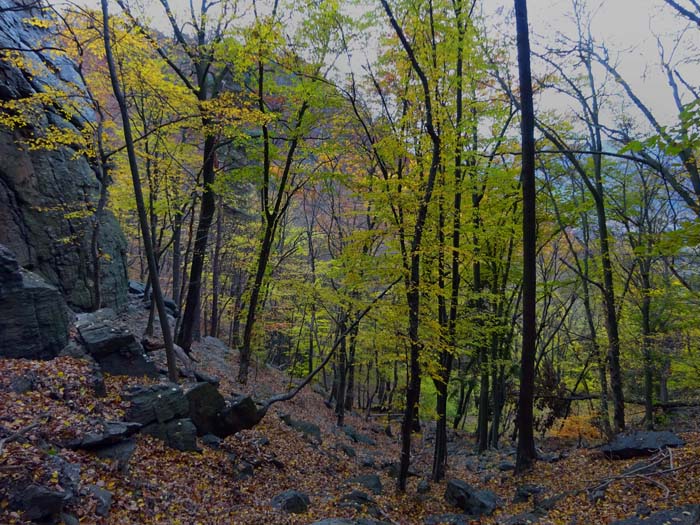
(628, 27)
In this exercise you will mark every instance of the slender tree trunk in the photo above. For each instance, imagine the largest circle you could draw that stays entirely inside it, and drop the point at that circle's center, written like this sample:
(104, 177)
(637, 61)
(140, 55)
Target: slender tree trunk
(342, 373)
(177, 241)
(138, 194)
(349, 393)
(647, 346)
(414, 266)
(526, 452)
(208, 205)
(261, 267)
(446, 357)
(216, 273)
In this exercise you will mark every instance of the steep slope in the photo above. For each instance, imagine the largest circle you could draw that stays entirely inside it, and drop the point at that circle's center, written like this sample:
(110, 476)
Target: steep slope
(345, 472)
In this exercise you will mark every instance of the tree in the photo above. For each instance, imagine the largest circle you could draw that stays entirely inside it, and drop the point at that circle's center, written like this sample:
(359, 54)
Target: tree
(138, 193)
(526, 443)
(413, 280)
(196, 63)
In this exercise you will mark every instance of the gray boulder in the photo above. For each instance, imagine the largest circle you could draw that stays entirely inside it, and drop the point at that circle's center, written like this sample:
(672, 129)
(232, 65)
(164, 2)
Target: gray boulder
(641, 443)
(361, 502)
(48, 195)
(24, 383)
(40, 503)
(180, 434)
(686, 515)
(120, 452)
(291, 501)
(423, 486)
(369, 481)
(114, 348)
(470, 500)
(164, 411)
(448, 519)
(33, 314)
(358, 437)
(347, 450)
(103, 497)
(310, 430)
(211, 441)
(525, 492)
(112, 432)
(240, 413)
(205, 407)
(157, 404)
(137, 288)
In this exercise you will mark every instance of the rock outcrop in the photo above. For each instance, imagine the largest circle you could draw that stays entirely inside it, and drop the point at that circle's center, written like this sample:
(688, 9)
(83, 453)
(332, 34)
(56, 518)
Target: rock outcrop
(33, 315)
(49, 194)
(115, 348)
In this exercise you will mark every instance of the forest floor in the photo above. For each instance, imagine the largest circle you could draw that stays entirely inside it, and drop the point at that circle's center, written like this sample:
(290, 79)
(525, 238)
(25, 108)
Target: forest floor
(166, 486)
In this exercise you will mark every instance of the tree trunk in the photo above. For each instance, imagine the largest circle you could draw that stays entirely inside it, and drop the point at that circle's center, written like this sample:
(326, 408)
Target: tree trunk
(526, 452)
(138, 194)
(216, 271)
(177, 241)
(341, 375)
(647, 346)
(349, 392)
(208, 205)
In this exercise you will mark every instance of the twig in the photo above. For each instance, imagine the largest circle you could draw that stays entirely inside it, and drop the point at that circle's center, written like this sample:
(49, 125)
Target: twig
(657, 483)
(22, 431)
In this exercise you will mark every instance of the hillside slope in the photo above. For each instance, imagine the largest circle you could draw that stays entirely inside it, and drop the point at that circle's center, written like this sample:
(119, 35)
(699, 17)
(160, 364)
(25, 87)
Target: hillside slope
(54, 402)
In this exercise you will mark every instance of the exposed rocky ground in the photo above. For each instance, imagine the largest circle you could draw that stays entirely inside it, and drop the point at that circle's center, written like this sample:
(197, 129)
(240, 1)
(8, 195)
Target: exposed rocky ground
(79, 443)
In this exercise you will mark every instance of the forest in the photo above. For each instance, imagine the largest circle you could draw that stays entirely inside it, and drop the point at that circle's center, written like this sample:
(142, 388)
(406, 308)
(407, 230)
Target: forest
(461, 235)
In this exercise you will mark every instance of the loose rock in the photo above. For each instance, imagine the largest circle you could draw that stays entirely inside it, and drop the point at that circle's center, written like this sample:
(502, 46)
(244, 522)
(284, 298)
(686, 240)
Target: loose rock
(369, 481)
(642, 443)
(291, 501)
(687, 515)
(470, 500)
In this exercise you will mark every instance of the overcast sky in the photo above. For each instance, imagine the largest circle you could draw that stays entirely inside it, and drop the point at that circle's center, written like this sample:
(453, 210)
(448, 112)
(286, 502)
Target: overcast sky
(628, 27)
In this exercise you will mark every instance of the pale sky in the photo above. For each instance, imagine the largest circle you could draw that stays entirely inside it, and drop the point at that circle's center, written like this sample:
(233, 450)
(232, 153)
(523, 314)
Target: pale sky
(626, 26)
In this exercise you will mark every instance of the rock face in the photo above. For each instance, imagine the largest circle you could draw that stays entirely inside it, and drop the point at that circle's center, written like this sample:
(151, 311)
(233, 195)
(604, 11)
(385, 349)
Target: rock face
(114, 348)
(48, 195)
(642, 443)
(33, 314)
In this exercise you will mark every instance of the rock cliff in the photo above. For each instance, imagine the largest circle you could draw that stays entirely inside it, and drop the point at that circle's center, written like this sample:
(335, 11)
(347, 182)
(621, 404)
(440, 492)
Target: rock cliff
(33, 315)
(48, 195)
